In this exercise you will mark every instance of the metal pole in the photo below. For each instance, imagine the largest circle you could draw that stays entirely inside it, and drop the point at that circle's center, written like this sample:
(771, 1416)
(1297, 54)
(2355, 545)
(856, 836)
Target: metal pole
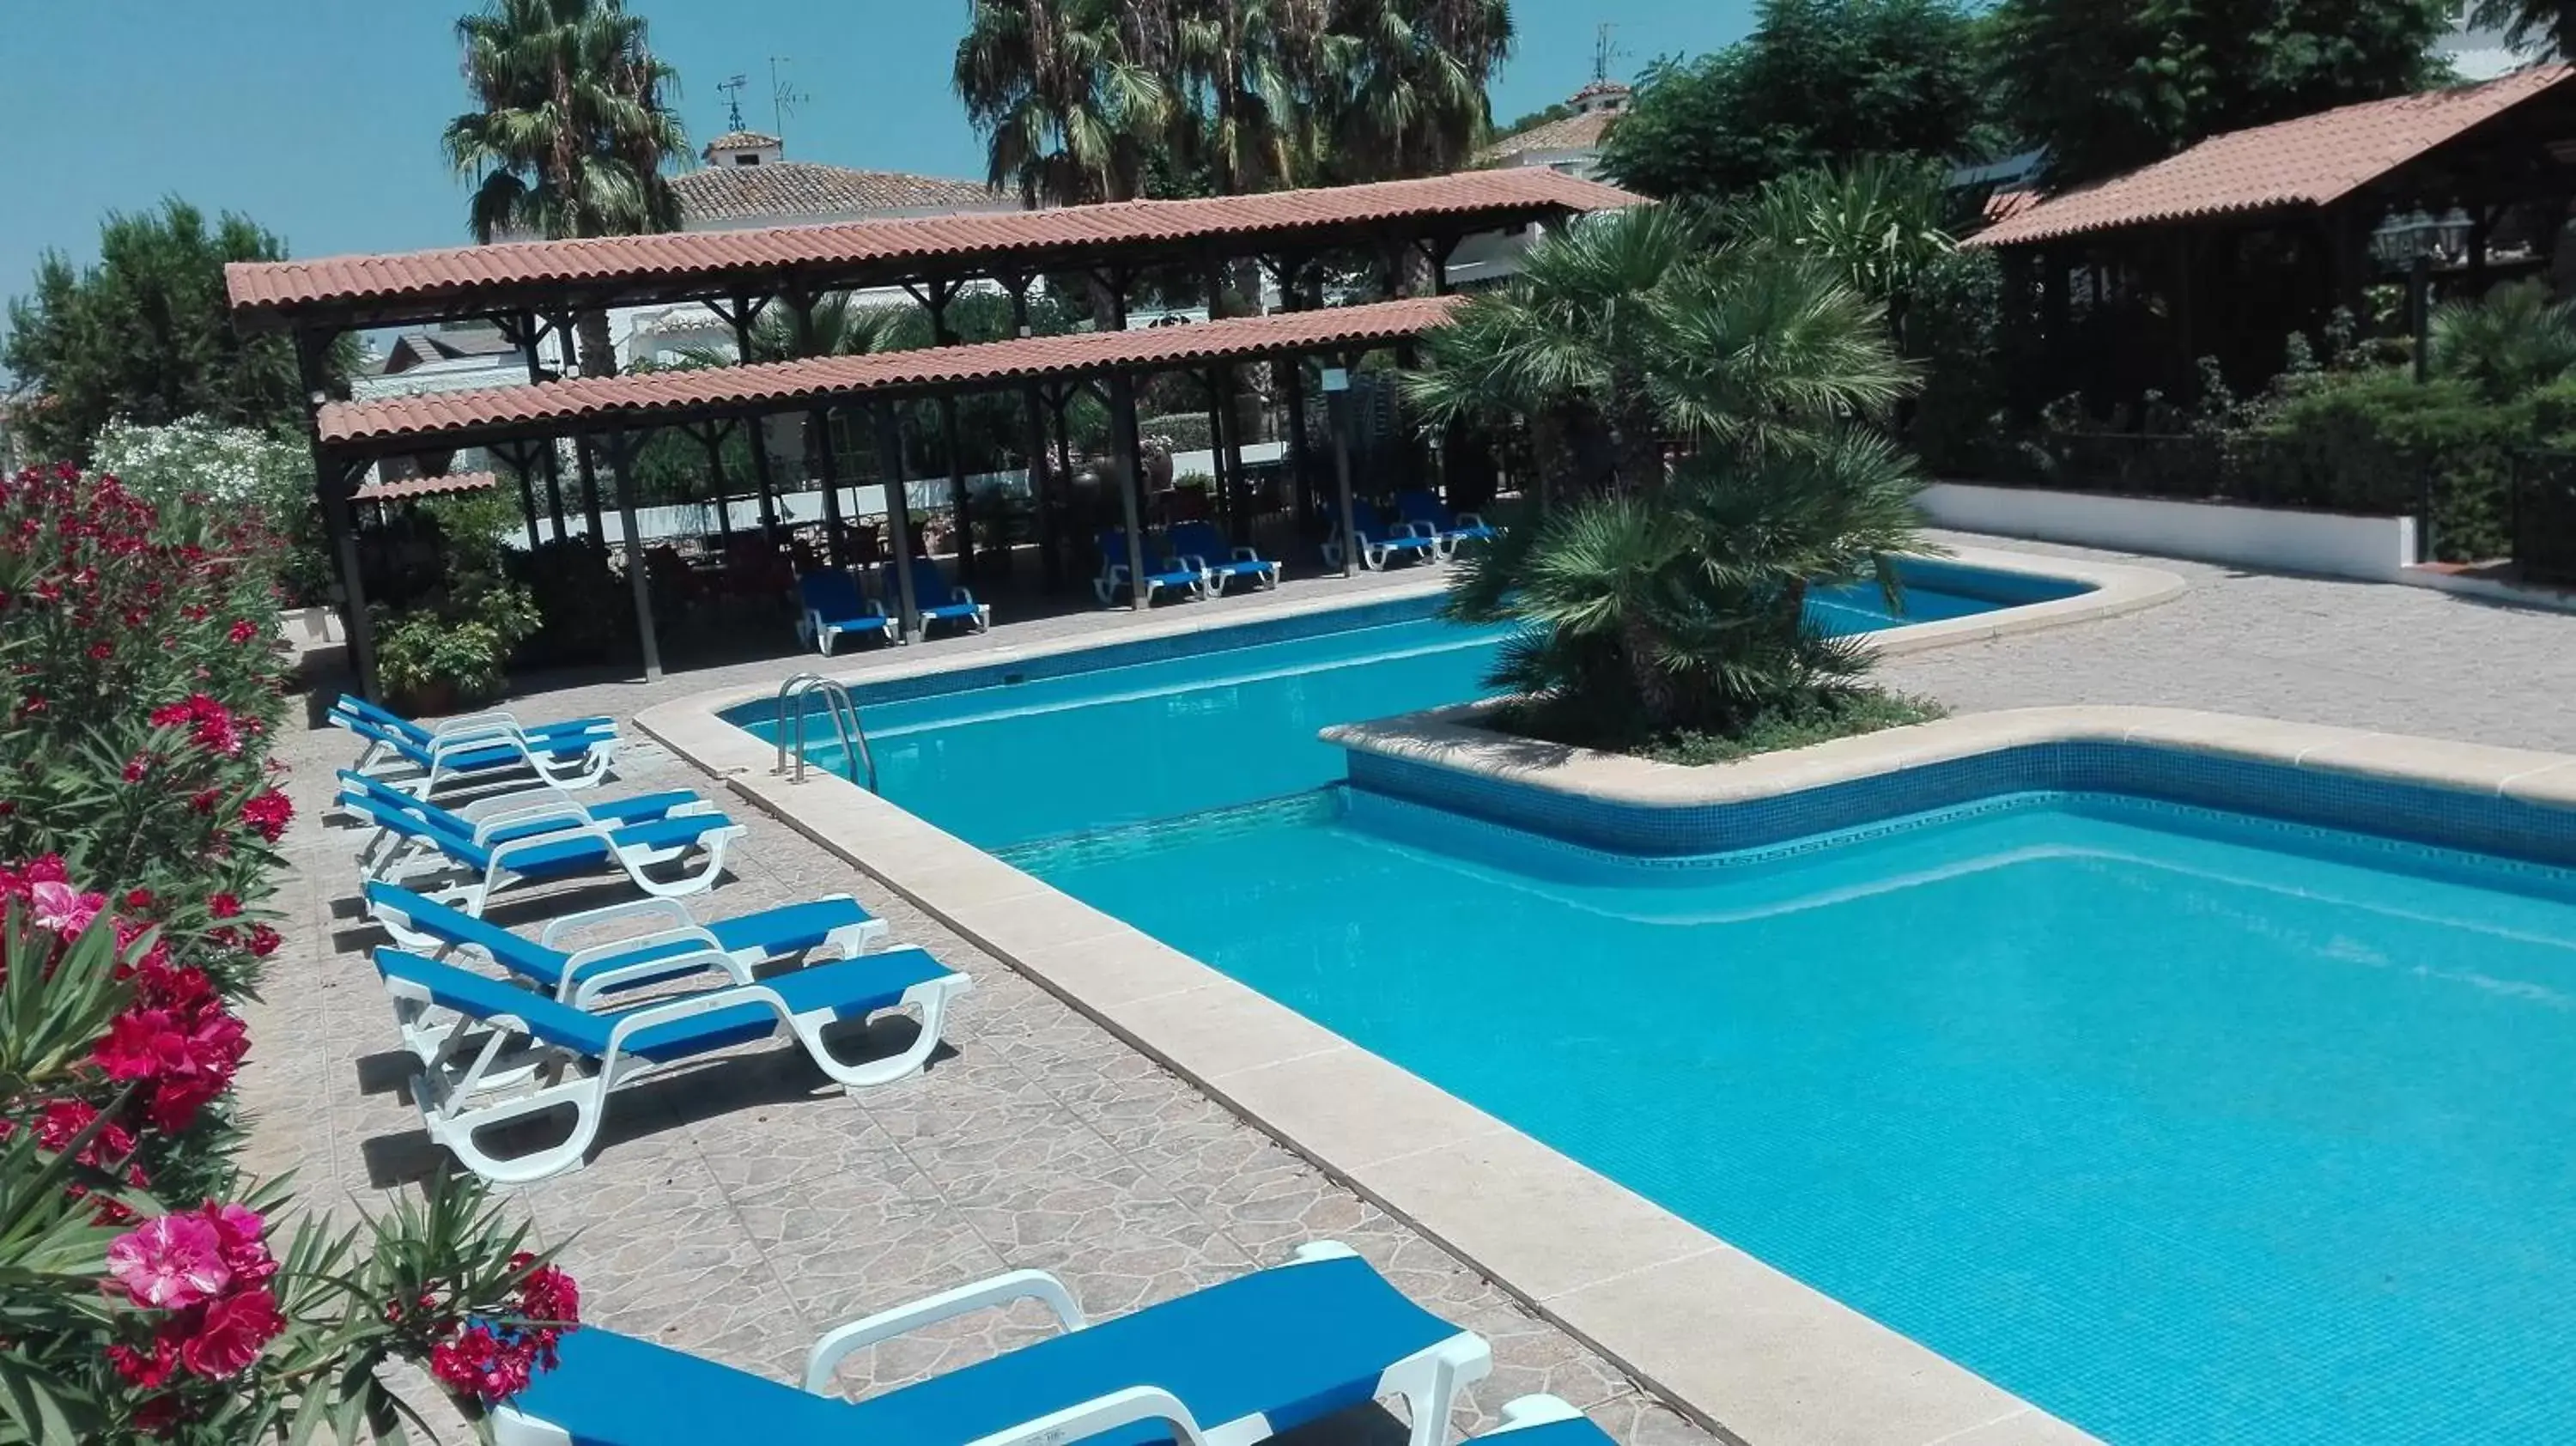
(758, 436)
(1131, 488)
(716, 481)
(581, 443)
(2419, 293)
(898, 520)
(532, 335)
(621, 455)
(960, 505)
(332, 482)
(522, 463)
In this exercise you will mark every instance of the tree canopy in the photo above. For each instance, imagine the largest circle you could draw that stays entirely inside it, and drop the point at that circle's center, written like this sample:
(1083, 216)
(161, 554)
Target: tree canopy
(144, 335)
(2108, 85)
(1818, 82)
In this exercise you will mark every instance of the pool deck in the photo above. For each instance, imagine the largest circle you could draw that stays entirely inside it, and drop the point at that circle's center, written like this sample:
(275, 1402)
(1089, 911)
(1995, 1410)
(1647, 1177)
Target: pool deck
(738, 1211)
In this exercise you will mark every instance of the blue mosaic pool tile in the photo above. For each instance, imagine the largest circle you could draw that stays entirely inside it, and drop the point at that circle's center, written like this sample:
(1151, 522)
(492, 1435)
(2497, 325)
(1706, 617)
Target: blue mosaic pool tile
(2419, 813)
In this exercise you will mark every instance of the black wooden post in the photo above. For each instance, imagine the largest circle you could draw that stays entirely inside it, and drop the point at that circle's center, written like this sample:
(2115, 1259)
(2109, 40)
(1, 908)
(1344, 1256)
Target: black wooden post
(522, 461)
(818, 434)
(1131, 482)
(333, 480)
(581, 443)
(1337, 417)
(621, 456)
(1289, 273)
(960, 506)
(713, 437)
(745, 312)
(898, 521)
(1034, 447)
(532, 335)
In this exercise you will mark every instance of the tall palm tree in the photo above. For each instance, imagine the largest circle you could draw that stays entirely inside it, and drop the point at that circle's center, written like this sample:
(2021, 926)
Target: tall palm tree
(570, 132)
(1069, 95)
(1251, 70)
(1402, 84)
(2545, 26)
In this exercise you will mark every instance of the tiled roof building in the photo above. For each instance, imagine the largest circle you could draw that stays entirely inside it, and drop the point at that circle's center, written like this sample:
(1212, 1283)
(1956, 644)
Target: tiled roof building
(748, 181)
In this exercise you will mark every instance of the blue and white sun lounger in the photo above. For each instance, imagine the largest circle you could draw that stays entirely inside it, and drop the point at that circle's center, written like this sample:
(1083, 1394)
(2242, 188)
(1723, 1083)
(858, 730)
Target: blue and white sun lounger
(532, 1054)
(936, 601)
(1424, 509)
(1378, 542)
(673, 944)
(1541, 1421)
(1226, 1365)
(554, 851)
(833, 606)
(572, 753)
(1162, 570)
(1201, 546)
(501, 818)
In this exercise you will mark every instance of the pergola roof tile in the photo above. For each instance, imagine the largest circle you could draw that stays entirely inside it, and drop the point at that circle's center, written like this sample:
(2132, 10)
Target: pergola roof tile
(439, 486)
(2311, 161)
(652, 398)
(273, 289)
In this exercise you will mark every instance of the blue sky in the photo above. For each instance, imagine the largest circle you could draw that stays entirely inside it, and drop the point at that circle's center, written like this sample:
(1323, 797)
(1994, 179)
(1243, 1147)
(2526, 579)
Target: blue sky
(320, 118)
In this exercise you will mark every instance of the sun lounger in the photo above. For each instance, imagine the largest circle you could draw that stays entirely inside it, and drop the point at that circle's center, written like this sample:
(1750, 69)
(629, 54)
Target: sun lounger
(531, 1054)
(1162, 570)
(575, 753)
(1541, 1421)
(1201, 546)
(1424, 509)
(564, 848)
(671, 944)
(833, 606)
(1225, 1365)
(1379, 542)
(500, 818)
(936, 601)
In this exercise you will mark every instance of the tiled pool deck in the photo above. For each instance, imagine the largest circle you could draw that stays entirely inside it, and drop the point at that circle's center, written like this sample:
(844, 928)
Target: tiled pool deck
(736, 1213)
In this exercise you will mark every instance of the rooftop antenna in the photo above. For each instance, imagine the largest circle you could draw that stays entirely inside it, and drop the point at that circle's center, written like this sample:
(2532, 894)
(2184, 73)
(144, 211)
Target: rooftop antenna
(783, 97)
(1603, 52)
(733, 101)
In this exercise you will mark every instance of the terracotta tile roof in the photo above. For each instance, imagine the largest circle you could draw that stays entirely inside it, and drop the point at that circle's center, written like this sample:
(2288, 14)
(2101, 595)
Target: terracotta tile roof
(675, 265)
(1565, 133)
(742, 141)
(654, 397)
(808, 188)
(438, 486)
(2310, 161)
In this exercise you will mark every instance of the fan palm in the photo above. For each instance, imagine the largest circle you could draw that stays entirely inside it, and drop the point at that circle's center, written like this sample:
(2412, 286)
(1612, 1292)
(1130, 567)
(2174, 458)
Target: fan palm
(1069, 95)
(843, 325)
(1877, 221)
(571, 130)
(2513, 339)
(1401, 84)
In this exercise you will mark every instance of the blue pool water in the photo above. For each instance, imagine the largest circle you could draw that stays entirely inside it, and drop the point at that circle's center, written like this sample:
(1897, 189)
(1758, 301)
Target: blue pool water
(1006, 761)
(2186, 1127)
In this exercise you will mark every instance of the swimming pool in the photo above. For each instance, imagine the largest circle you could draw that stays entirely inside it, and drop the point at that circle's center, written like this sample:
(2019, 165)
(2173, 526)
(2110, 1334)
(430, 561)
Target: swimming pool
(1126, 734)
(2185, 1126)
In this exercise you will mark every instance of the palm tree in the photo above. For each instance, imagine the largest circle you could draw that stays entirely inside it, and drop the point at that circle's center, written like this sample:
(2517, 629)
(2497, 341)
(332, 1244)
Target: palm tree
(1069, 95)
(1678, 601)
(2507, 342)
(570, 133)
(1250, 67)
(1402, 84)
(843, 326)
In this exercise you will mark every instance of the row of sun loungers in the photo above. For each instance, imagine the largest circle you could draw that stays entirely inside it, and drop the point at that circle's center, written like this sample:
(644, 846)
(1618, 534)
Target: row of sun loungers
(505, 1026)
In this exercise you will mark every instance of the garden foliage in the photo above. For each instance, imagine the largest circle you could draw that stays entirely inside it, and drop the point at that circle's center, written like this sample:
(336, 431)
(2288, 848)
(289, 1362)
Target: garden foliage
(149, 1288)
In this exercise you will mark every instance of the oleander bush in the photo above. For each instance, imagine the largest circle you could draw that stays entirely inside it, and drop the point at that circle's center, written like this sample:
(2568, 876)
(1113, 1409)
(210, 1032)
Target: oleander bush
(149, 1288)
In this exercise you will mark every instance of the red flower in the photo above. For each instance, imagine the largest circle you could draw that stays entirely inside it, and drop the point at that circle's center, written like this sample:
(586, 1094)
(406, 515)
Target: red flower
(148, 1372)
(268, 812)
(224, 906)
(263, 941)
(243, 630)
(138, 899)
(137, 766)
(101, 652)
(480, 1364)
(234, 1331)
(204, 801)
(241, 1233)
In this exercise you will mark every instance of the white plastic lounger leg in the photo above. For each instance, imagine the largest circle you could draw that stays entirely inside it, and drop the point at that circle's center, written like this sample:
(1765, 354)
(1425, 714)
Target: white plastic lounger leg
(713, 840)
(836, 1344)
(931, 997)
(1538, 1410)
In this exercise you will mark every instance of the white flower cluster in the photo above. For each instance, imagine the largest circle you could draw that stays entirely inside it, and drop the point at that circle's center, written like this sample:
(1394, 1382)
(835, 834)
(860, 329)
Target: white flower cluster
(236, 466)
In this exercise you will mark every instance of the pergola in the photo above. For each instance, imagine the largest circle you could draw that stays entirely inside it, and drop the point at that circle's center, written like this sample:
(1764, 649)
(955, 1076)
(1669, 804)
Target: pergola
(532, 290)
(2229, 246)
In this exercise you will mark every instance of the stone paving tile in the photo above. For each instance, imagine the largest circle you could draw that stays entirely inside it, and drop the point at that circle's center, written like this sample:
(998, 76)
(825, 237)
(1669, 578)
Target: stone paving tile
(738, 1210)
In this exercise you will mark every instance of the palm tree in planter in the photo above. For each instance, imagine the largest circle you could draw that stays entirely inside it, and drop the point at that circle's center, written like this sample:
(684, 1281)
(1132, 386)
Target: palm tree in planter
(1674, 601)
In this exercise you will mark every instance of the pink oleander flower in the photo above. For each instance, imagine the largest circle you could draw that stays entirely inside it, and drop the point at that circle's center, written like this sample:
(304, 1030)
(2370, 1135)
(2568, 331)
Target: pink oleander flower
(63, 909)
(242, 630)
(242, 1240)
(234, 1331)
(268, 812)
(169, 1262)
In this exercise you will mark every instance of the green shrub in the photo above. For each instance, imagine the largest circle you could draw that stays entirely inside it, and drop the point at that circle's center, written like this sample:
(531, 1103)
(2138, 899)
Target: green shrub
(2378, 441)
(578, 599)
(1185, 431)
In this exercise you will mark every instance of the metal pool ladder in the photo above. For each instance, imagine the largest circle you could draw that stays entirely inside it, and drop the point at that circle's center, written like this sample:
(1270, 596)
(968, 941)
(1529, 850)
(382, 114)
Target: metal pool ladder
(853, 738)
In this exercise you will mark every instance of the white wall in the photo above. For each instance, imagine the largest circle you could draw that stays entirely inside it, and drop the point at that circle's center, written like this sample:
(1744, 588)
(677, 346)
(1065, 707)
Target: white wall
(2329, 543)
